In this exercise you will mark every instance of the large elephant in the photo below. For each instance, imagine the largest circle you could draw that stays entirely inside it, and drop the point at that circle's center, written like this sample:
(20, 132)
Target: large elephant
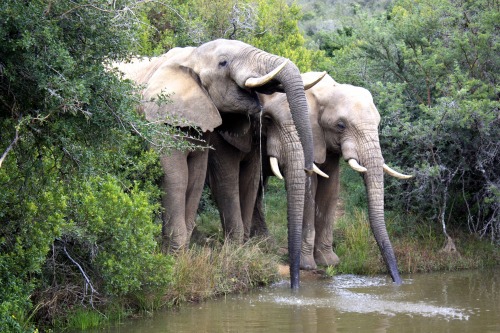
(216, 78)
(345, 125)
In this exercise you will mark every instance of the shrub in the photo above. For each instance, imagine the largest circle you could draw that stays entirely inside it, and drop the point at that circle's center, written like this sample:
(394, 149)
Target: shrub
(433, 71)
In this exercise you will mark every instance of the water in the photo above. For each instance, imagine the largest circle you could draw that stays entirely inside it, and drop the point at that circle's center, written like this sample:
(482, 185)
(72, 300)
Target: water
(439, 302)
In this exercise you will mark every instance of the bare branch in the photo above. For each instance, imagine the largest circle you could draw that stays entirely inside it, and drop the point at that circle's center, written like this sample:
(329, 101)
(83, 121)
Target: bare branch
(85, 276)
(9, 148)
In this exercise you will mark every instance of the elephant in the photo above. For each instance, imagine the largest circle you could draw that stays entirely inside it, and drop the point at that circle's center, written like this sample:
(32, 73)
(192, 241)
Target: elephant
(234, 167)
(206, 86)
(345, 124)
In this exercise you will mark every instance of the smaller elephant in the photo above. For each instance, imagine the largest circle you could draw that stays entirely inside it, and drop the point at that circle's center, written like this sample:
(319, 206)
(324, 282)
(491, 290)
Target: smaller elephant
(234, 168)
(345, 125)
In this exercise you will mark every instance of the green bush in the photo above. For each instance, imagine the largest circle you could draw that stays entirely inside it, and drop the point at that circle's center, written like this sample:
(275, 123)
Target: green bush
(67, 125)
(270, 25)
(432, 67)
(117, 228)
(27, 230)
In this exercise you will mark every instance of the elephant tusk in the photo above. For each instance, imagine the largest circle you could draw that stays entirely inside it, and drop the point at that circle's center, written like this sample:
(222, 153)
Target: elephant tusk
(355, 165)
(275, 167)
(312, 82)
(319, 172)
(394, 173)
(255, 82)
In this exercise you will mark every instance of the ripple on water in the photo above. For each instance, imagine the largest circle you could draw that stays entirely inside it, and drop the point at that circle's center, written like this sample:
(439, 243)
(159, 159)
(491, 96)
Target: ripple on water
(359, 294)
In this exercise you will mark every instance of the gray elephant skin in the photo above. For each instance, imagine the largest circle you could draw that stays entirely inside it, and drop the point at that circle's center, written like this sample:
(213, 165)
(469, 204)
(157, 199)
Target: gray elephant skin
(345, 125)
(234, 166)
(205, 84)
(234, 170)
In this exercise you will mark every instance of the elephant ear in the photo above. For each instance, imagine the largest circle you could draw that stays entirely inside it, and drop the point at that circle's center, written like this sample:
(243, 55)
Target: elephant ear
(315, 109)
(236, 130)
(173, 94)
(319, 98)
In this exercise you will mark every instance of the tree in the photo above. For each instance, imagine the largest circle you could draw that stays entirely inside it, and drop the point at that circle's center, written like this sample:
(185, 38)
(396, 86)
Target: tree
(433, 70)
(269, 25)
(77, 191)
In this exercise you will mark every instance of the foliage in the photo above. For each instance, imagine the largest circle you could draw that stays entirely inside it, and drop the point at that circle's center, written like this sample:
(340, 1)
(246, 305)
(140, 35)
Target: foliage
(69, 133)
(28, 227)
(269, 25)
(277, 32)
(107, 247)
(432, 67)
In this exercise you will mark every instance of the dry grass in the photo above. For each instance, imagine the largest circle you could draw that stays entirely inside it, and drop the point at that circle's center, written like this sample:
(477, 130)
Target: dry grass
(205, 272)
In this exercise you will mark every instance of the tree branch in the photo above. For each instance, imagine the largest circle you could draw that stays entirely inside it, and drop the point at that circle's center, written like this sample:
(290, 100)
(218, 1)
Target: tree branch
(9, 148)
(85, 276)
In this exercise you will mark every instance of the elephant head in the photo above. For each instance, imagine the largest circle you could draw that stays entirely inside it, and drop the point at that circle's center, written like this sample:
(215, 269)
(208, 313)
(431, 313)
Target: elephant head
(210, 86)
(345, 125)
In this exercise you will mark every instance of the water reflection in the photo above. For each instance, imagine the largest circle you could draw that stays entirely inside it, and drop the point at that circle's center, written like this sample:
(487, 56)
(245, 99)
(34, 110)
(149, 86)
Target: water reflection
(440, 302)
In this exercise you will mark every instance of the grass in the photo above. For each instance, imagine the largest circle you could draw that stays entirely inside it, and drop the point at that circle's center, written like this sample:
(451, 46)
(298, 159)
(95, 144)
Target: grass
(418, 246)
(355, 245)
(275, 209)
(204, 272)
(82, 319)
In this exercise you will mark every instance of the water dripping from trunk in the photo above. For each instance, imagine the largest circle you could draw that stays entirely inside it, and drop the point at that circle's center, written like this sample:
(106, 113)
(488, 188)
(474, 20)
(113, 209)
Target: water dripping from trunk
(261, 161)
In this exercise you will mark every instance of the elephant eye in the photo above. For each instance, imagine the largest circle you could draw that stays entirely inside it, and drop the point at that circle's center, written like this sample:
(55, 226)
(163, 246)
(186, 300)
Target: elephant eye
(223, 63)
(341, 125)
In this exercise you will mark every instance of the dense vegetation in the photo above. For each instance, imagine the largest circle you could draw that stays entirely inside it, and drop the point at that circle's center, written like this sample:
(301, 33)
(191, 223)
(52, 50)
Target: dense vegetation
(79, 204)
(433, 68)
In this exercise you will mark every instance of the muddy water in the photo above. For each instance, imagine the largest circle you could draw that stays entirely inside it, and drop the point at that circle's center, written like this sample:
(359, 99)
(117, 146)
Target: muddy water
(439, 302)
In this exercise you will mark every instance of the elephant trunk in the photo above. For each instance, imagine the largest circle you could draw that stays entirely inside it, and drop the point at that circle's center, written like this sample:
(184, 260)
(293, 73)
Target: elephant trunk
(295, 184)
(374, 182)
(294, 89)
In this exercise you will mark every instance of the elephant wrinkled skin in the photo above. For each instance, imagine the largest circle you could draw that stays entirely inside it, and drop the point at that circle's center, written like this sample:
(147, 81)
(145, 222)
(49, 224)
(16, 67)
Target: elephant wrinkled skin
(234, 166)
(206, 84)
(345, 125)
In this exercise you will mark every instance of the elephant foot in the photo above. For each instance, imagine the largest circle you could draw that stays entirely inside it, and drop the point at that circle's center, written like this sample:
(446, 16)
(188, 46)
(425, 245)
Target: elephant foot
(234, 236)
(307, 262)
(326, 258)
(170, 247)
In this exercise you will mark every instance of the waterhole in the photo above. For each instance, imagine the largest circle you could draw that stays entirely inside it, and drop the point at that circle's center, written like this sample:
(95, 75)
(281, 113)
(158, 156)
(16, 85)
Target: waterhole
(467, 301)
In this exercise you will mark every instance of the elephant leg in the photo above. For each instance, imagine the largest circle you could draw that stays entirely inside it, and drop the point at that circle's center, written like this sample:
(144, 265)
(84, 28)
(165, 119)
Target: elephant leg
(308, 233)
(249, 186)
(174, 184)
(197, 165)
(327, 196)
(259, 226)
(223, 177)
